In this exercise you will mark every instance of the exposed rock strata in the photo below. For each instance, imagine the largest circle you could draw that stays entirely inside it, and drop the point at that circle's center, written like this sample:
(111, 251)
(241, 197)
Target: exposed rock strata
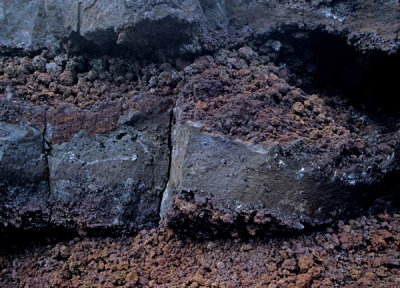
(268, 154)
(257, 142)
(89, 169)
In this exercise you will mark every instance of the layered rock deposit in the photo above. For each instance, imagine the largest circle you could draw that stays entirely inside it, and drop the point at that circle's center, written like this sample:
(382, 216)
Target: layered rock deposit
(238, 116)
(249, 148)
(71, 162)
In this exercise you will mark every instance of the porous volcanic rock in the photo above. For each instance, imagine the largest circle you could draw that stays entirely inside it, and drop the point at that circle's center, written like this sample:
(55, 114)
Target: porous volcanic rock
(74, 157)
(256, 143)
(362, 252)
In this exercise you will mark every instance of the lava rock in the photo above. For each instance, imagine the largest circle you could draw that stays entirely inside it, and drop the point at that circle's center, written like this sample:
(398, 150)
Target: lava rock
(23, 168)
(111, 175)
(244, 153)
(197, 25)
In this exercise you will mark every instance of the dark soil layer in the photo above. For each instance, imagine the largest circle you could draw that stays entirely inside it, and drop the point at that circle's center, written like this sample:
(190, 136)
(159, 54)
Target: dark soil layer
(364, 252)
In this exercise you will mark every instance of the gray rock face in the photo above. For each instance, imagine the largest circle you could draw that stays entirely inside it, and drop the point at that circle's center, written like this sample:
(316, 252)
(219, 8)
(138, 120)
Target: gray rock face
(23, 177)
(27, 24)
(197, 24)
(113, 179)
(83, 170)
(221, 181)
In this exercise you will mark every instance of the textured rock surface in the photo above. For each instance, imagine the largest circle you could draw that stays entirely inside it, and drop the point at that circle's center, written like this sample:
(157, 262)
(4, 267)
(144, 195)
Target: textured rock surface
(264, 153)
(101, 139)
(30, 24)
(231, 183)
(197, 24)
(285, 119)
(112, 179)
(362, 252)
(23, 168)
(71, 168)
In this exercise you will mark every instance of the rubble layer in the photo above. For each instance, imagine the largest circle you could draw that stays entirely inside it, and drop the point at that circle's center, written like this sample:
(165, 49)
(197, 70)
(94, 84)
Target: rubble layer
(362, 252)
(245, 138)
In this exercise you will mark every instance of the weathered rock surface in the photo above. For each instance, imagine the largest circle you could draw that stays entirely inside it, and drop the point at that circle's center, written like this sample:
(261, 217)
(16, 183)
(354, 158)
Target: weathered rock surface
(112, 179)
(257, 142)
(72, 168)
(228, 183)
(24, 189)
(363, 252)
(248, 148)
(27, 24)
(101, 146)
(197, 25)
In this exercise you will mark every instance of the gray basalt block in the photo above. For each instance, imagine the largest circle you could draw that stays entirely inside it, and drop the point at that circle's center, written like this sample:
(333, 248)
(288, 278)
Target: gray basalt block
(218, 180)
(113, 179)
(24, 188)
(197, 24)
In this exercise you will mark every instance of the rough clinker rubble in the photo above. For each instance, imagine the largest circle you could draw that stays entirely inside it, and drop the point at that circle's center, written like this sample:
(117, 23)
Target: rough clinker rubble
(364, 252)
(240, 95)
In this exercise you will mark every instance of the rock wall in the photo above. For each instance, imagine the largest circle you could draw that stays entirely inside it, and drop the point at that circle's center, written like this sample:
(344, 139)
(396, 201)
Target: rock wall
(251, 150)
(197, 26)
(203, 113)
(83, 170)
(111, 179)
(23, 169)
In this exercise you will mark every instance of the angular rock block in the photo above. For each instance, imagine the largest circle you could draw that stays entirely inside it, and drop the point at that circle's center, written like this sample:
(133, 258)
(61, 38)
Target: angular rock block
(107, 170)
(223, 182)
(252, 151)
(23, 170)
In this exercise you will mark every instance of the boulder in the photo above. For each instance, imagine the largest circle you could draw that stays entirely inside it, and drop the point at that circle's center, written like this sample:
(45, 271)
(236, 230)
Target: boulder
(107, 170)
(244, 158)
